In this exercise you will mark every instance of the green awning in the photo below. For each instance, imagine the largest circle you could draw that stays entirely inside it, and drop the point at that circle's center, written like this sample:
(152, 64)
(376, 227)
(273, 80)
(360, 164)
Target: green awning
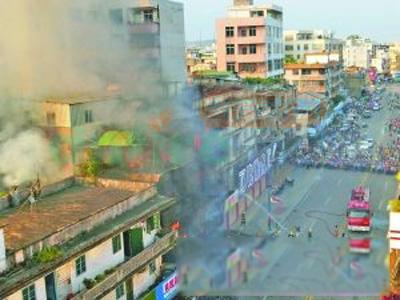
(116, 139)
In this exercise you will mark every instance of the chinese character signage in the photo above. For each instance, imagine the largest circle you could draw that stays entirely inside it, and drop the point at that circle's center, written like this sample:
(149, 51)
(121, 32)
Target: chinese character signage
(168, 289)
(249, 174)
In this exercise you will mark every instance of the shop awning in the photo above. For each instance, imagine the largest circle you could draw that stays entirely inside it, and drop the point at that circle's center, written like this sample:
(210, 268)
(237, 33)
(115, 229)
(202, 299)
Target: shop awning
(116, 139)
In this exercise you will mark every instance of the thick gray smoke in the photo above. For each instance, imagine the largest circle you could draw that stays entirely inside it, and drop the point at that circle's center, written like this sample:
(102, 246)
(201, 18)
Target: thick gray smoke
(23, 156)
(59, 49)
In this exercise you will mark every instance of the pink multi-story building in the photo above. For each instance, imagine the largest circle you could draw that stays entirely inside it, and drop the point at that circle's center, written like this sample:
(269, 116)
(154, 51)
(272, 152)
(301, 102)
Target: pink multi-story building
(250, 40)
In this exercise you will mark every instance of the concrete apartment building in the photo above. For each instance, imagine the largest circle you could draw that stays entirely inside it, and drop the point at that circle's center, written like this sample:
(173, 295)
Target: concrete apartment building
(357, 52)
(321, 73)
(380, 58)
(394, 56)
(200, 59)
(249, 40)
(298, 43)
(154, 31)
(108, 241)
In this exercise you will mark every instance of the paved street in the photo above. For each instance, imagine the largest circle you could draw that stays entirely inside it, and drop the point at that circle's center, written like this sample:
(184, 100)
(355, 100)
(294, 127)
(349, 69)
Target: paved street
(323, 264)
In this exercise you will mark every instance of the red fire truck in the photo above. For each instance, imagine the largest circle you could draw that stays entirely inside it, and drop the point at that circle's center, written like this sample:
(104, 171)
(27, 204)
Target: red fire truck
(359, 216)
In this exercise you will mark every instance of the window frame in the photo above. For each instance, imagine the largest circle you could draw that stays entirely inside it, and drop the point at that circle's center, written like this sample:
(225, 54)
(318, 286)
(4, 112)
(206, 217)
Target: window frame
(230, 49)
(80, 265)
(252, 31)
(29, 293)
(230, 64)
(120, 290)
(148, 16)
(88, 116)
(116, 244)
(229, 31)
(152, 267)
(252, 49)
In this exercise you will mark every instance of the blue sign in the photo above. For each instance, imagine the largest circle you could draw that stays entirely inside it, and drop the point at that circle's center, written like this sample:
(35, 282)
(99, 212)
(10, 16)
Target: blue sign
(168, 288)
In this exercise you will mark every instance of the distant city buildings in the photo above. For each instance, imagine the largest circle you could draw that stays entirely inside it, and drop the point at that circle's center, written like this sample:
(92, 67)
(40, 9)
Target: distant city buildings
(394, 55)
(249, 40)
(200, 59)
(320, 73)
(380, 58)
(357, 52)
(298, 43)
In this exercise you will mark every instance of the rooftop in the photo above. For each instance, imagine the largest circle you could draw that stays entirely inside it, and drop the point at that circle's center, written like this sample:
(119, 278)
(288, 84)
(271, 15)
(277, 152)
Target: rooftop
(23, 275)
(53, 213)
(81, 99)
(306, 66)
(307, 104)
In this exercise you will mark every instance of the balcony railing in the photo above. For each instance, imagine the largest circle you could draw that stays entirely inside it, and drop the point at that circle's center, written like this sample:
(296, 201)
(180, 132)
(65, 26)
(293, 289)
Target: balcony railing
(128, 267)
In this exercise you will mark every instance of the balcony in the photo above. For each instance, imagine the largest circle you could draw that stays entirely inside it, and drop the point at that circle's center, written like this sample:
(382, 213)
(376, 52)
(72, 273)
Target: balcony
(127, 268)
(251, 58)
(143, 27)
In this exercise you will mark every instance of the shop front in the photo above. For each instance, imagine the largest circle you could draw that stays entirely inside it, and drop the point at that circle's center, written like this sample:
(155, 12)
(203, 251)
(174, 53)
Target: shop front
(236, 268)
(232, 210)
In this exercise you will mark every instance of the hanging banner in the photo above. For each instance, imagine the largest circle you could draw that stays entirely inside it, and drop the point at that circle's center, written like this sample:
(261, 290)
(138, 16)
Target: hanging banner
(246, 176)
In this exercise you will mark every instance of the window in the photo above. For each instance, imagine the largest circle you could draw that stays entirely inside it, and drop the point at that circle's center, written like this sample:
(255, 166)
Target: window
(298, 47)
(253, 31)
(51, 119)
(269, 48)
(253, 49)
(116, 243)
(29, 293)
(150, 225)
(321, 71)
(243, 32)
(120, 291)
(152, 267)
(230, 67)
(305, 72)
(80, 265)
(148, 16)
(289, 48)
(230, 49)
(247, 68)
(270, 66)
(298, 56)
(229, 31)
(116, 16)
(305, 47)
(243, 50)
(295, 72)
(88, 116)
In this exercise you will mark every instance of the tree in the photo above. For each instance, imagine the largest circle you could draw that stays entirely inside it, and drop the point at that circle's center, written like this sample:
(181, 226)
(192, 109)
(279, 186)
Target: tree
(289, 59)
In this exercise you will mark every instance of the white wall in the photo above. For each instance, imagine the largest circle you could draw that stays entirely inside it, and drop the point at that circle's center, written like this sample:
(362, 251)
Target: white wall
(142, 281)
(98, 260)
(40, 290)
(172, 40)
(3, 264)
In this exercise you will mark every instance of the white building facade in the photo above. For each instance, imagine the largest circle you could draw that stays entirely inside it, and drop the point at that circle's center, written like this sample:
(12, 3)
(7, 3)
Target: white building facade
(357, 52)
(298, 43)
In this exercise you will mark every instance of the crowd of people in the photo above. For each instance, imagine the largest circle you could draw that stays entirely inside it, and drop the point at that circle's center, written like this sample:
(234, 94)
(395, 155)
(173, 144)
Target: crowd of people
(346, 145)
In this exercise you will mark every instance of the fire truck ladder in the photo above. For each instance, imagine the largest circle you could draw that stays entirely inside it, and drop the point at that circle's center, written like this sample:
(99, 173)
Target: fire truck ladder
(396, 272)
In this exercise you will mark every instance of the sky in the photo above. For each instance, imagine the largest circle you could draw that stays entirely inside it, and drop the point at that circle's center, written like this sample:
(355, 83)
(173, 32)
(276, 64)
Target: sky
(378, 20)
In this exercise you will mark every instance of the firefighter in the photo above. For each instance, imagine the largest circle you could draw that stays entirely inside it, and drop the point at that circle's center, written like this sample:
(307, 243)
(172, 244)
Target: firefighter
(243, 219)
(336, 231)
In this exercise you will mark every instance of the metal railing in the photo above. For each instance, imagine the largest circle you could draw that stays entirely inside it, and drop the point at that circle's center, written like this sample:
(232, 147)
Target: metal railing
(128, 267)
